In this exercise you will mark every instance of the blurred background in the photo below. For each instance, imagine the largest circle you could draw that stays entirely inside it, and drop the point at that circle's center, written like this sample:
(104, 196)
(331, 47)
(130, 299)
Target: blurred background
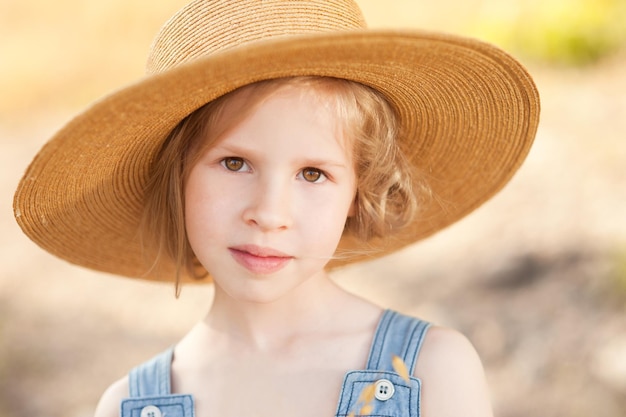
(536, 278)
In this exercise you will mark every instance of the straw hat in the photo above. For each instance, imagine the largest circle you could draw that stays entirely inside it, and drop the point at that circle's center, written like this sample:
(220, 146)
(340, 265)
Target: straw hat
(468, 110)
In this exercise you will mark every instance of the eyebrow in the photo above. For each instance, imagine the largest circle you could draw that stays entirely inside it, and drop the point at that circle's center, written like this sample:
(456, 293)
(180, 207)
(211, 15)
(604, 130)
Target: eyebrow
(322, 162)
(305, 161)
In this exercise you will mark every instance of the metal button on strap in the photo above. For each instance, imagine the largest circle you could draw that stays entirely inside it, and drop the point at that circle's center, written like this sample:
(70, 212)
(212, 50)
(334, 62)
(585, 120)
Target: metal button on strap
(384, 390)
(151, 411)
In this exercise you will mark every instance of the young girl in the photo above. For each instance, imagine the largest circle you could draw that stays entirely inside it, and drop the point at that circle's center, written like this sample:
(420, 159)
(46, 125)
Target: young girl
(271, 142)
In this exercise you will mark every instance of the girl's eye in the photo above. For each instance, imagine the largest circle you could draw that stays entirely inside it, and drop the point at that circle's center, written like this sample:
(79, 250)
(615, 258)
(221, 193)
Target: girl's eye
(234, 164)
(313, 175)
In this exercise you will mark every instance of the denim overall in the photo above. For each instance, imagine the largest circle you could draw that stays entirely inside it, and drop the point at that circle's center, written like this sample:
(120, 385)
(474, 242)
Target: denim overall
(396, 334)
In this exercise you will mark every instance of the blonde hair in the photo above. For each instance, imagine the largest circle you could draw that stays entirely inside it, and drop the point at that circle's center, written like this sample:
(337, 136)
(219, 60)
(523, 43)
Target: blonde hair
(385, 197)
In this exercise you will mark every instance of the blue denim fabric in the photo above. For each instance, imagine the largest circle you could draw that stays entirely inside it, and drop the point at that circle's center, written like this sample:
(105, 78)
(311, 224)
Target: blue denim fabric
(396, 335)
(150, 386)
(405, 401)
(153, 377)
(168, 406)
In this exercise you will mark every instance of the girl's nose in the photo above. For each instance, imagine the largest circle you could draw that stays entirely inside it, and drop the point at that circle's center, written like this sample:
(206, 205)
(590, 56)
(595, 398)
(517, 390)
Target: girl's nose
(270, 207)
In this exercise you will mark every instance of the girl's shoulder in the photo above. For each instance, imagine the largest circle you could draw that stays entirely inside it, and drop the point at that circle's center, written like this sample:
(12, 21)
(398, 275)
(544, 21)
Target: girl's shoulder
(109, 404)
(451, 369)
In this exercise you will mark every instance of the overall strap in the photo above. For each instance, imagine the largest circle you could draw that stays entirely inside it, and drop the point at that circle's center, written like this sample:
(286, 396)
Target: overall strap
(397, 335)
(153, 377)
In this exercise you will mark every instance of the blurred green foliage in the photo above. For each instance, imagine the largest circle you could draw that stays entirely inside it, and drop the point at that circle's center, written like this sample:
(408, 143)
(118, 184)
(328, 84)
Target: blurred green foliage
(570, 32)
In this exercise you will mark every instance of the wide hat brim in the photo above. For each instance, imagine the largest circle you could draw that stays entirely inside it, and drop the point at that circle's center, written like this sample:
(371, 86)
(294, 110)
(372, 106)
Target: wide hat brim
(469, 113)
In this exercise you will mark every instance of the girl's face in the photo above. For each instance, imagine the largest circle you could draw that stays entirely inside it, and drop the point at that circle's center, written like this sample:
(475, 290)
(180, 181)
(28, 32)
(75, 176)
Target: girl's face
(265, 206)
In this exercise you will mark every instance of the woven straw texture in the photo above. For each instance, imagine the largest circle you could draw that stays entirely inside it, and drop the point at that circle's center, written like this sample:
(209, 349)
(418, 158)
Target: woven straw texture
(469, 114)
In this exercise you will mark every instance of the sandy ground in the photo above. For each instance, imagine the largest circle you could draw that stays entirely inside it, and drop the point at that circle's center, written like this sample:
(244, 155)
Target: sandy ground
(536, 277)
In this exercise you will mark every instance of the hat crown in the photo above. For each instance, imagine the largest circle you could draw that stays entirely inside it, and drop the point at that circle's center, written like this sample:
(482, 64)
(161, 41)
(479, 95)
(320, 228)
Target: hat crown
(207, 27)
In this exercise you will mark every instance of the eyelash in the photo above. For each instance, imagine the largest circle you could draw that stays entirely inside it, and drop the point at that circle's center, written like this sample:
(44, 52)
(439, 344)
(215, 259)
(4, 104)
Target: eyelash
(322, 177)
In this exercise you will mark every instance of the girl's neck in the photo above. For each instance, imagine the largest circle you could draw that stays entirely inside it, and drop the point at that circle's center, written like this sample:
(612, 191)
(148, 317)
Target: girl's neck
(309, 309)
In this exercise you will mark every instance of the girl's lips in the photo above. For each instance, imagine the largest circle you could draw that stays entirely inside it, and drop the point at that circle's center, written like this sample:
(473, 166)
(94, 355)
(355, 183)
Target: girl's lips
(259, 260)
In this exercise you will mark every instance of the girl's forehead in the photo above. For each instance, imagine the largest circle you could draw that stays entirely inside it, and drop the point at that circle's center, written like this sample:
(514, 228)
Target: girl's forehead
(282, 98)
(254, 95)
